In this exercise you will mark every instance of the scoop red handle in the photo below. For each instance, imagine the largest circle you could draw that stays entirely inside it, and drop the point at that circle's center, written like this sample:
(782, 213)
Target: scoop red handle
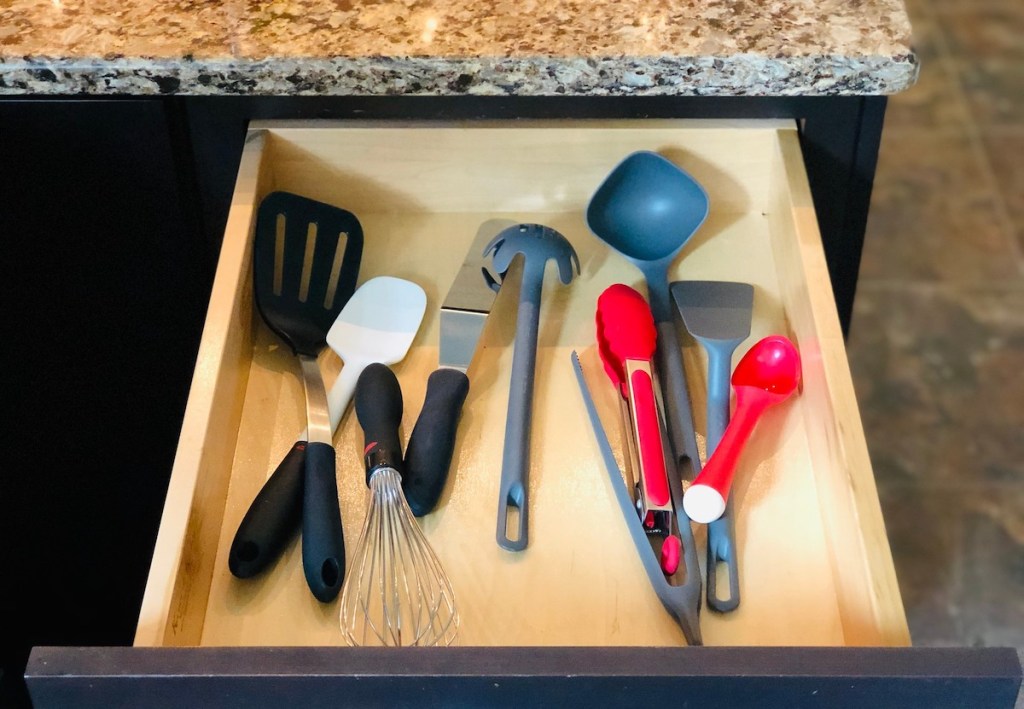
(768, 374)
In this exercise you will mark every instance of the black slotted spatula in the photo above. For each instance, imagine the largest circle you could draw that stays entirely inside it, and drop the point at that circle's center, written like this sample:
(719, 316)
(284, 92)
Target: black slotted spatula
(306, 257)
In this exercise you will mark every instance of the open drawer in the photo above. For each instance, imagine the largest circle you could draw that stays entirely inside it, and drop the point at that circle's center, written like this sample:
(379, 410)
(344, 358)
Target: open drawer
(573, 615)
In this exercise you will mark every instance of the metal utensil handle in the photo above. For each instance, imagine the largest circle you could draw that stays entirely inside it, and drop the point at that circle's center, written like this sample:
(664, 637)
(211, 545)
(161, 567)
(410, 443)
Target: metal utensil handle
(515, 460)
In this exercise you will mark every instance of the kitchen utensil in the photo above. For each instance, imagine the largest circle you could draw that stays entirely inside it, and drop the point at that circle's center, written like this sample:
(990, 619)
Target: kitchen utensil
(680, 599)
(647, 209)
(613, 368)
(377, 324)
(397, 592)
(768, 374)
(627, 338)
(538, 244)
(718, 315)
(305, 257)
(654, 521)
(463, 315)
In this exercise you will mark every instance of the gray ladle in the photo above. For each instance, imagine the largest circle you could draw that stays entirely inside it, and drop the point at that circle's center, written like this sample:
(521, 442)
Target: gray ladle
(647, 209)
(538, 244)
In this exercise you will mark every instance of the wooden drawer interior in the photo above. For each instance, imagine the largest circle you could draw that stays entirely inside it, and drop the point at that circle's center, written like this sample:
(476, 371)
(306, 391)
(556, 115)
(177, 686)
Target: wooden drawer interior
(815, 562)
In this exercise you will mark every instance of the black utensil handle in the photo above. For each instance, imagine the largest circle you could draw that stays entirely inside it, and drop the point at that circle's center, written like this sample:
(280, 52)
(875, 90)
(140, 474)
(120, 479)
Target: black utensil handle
(323, 543)
(429, 454)
(379, 410)
(272, 519)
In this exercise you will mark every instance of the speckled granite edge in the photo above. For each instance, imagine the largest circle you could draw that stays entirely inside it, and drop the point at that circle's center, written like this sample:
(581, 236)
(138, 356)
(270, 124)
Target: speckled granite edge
(735, 75)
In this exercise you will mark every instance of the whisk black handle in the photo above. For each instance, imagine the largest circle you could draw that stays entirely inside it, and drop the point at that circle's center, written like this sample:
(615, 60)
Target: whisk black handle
(378, 402)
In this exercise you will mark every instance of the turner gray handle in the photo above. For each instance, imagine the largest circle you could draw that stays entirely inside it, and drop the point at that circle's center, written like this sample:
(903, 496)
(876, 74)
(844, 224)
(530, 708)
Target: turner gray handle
(515, 459)
(721, 532)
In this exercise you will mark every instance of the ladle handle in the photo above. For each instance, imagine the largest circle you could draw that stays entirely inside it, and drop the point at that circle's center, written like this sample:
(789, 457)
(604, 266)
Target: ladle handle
(679, 418)
(515, 460)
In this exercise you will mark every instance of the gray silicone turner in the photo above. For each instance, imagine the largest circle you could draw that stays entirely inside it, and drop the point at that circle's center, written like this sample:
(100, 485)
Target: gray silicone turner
(718, 315)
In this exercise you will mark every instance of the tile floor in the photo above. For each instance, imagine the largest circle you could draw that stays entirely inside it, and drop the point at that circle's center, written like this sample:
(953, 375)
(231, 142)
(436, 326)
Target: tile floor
(937, 340)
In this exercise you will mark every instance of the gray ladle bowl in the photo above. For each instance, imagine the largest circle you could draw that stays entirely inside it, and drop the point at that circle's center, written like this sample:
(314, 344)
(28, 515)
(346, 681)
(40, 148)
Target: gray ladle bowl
(646, 209)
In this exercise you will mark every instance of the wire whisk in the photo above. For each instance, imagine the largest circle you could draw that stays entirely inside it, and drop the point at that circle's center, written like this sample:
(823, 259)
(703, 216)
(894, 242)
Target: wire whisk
(396, 592)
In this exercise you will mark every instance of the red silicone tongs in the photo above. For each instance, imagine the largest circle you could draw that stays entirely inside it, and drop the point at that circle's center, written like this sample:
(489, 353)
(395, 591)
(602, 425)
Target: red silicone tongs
(627, 338)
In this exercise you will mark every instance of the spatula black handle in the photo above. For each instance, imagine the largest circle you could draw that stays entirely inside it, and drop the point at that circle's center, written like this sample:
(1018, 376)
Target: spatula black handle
(379, 410)
(429, 454)
(272, 519)
(323, 543)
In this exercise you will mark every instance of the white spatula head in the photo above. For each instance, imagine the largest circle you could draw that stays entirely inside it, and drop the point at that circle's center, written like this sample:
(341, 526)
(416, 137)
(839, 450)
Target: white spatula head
(379, 322)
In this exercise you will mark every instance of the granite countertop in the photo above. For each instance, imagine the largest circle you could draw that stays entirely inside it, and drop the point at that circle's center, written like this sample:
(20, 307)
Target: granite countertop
(446, 47)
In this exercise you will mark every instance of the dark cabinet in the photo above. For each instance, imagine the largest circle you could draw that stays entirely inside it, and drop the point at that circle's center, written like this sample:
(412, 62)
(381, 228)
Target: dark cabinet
(104, 293)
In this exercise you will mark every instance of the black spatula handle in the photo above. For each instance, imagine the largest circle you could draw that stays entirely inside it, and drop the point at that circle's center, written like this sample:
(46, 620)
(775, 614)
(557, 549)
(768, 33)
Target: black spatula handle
(429, 455)
(378, 402)
(323, 544)
(273, 517)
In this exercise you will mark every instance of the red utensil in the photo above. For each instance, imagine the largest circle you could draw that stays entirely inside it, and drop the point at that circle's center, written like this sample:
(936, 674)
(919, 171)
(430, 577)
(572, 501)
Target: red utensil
(627, 338)
(767, 375)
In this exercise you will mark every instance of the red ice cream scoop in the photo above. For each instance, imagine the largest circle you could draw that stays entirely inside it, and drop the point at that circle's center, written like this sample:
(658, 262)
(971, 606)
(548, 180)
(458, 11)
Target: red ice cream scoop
(768, 374)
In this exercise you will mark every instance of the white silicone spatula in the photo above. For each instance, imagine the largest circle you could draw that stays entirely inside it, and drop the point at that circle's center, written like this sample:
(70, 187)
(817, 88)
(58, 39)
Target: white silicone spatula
(378, 324)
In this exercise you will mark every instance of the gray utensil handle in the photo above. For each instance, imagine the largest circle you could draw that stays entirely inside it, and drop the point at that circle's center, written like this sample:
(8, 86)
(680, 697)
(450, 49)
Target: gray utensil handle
(718, 397)
(722, 550)
(721, 532)
(679, 418)
(515, 460)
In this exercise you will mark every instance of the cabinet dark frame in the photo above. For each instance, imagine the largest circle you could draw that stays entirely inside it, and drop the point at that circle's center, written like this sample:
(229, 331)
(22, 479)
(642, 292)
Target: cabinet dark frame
(787, 678)
(840, 139)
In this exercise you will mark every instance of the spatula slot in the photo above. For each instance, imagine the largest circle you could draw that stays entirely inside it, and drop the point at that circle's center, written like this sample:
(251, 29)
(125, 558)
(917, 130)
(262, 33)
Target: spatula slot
(278, 255)
(339, 258)
(307, 262)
